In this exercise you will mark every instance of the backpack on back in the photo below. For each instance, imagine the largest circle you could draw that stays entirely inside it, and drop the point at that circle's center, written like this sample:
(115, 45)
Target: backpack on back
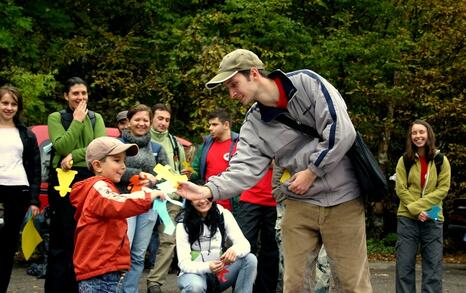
(438, 161)
(155, 150)
(49, 150)
(371, 179)
(67, 118)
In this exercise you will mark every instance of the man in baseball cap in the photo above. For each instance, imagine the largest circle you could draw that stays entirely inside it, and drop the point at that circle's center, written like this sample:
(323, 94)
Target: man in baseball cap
(232, 63)
(122, 121)
(323, 200)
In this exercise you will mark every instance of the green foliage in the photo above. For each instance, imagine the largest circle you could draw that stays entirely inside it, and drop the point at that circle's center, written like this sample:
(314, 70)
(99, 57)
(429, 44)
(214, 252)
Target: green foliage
(382, 246)
(393, 61)
(33, 88)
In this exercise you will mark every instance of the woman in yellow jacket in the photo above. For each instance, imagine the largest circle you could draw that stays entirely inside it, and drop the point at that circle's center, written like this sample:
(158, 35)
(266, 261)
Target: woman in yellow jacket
(421, 190)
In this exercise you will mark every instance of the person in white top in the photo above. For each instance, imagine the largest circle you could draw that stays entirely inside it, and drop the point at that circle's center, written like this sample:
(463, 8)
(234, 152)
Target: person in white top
(206, 264)
(19, 177)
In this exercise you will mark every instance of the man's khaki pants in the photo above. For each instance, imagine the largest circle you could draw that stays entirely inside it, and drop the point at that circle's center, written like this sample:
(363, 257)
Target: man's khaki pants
(305, 227)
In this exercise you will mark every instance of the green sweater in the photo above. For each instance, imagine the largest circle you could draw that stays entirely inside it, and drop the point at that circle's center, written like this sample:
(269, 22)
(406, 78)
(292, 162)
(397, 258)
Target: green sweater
(414, 199)
(74, 140)
(163, 139)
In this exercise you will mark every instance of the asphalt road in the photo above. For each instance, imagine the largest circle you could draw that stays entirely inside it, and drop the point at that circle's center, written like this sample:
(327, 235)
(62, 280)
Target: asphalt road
(382, 277)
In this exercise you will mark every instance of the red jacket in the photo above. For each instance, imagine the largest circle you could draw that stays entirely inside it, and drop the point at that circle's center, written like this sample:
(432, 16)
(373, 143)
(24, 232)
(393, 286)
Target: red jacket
(261, 193)
(101, 243)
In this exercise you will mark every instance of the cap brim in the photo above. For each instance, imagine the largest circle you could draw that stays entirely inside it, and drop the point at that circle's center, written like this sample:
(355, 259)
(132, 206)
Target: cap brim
(220, 78)
(130, 149)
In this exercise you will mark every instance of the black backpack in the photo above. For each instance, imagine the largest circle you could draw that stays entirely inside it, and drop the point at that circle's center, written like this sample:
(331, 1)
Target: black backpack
(66, 119)
(371, 179)
(438, 161)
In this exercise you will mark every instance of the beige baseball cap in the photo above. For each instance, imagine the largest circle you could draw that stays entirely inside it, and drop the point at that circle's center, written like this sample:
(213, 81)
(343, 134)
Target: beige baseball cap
(104, 146)
(232, 63)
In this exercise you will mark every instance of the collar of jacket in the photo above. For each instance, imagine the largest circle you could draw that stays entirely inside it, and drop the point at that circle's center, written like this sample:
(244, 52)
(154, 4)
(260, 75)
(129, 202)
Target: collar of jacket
(270, 113)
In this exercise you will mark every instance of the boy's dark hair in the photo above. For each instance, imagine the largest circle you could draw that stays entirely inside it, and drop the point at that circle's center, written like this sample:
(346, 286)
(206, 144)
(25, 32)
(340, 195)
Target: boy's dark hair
(221, 114)
(162, 107)
(430, 148)
(140, 108)
(16, 95)
(74, 81)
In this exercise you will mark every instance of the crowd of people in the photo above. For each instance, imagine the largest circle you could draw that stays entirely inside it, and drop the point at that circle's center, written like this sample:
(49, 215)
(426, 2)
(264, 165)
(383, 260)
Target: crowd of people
(268, 209)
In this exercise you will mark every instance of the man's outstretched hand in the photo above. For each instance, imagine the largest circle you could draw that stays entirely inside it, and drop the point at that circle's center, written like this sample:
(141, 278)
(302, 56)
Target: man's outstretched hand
(192, 191)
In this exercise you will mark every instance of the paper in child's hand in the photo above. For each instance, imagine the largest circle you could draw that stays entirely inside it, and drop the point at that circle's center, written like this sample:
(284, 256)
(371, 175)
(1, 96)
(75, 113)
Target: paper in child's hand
(165, 172)
(135, 183)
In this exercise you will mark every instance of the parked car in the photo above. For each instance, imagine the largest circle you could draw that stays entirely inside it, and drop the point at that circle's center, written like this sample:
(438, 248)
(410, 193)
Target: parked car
(42, 135)
(457, 221)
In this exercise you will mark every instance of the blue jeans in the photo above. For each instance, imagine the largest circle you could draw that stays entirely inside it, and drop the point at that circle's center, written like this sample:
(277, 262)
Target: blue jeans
(109, 282)
(242, 274)
(139, 231)
(152, 248)
(411, 234)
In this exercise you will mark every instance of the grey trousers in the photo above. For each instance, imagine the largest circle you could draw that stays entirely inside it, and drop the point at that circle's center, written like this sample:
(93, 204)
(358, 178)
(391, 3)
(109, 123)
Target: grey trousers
(429, 236)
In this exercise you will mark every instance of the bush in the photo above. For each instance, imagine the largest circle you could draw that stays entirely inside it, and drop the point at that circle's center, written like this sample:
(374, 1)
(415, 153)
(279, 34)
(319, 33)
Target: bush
(382, 246)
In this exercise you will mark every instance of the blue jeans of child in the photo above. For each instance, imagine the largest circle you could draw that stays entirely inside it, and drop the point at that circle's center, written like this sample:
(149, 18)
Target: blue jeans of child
(109, 282)
(139, 232)
(242, 274)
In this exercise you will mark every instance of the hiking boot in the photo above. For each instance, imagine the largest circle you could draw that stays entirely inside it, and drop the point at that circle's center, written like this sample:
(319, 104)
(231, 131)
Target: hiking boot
(154, 289)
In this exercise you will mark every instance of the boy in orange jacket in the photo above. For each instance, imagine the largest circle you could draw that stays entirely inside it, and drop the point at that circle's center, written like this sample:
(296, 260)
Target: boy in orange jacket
(102, 254)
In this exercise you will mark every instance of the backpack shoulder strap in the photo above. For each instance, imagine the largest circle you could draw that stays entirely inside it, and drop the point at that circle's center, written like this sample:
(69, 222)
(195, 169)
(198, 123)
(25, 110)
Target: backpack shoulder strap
(438, 161)
(176, 151)
(234, 140)
(91, 115)
(292, 123)
(67, 118)
(155, 147)
(408, 164)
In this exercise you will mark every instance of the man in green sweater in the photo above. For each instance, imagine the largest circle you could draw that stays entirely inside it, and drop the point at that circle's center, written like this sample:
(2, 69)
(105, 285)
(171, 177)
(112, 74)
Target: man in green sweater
(176, 156)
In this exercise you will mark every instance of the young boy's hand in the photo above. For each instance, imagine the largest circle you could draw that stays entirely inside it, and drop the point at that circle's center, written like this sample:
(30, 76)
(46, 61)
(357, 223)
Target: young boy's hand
(156, 194)
(147, 179)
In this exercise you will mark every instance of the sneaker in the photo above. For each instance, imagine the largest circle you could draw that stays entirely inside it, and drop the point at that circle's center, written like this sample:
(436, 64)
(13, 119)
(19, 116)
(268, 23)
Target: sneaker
(154, 289)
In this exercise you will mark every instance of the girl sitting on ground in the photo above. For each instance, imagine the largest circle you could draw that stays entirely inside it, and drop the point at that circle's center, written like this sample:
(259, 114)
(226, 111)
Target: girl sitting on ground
(202, 232)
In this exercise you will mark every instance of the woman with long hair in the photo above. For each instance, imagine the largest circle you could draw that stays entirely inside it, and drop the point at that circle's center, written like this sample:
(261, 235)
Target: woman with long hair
(20, 176)
(422, 182)
(206, 261)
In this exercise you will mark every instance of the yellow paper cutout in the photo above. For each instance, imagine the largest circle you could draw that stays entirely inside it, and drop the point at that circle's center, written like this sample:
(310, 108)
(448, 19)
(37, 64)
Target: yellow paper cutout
(285, 176)
(30, 238)
(64, 179)
(187, 166)
(165, 172)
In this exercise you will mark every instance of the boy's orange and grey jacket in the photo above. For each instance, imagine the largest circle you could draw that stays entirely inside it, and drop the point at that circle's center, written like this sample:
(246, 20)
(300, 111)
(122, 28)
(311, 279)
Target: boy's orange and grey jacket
(101, 243)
